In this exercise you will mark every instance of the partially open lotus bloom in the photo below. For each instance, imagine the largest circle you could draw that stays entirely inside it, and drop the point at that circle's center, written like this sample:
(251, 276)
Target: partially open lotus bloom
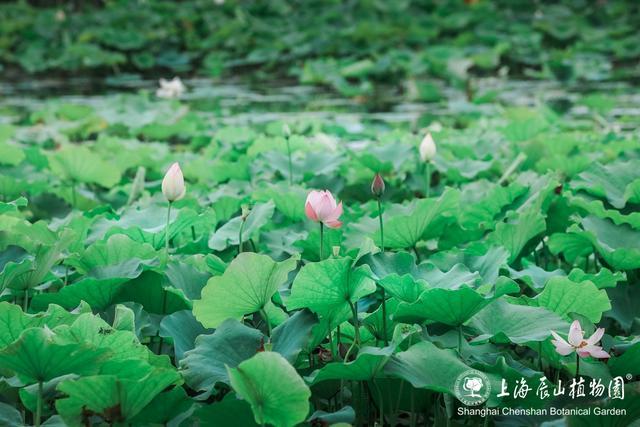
(173, 186)
(170, 88)
(322, 207)
(576, 342)
(427, 148)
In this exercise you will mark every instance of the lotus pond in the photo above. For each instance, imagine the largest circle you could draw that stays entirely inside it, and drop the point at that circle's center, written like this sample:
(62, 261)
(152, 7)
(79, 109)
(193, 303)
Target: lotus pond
(307, 232)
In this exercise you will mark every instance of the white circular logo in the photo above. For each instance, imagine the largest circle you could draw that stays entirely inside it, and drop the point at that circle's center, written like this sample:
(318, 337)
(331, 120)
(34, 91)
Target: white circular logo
(472, 387)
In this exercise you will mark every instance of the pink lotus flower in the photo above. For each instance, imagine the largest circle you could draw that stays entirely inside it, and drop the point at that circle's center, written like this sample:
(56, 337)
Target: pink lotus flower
(584, 348)
(173, 186)
(322, 207)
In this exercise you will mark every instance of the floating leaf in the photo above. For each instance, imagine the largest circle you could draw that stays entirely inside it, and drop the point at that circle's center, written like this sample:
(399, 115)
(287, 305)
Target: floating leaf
(245, 287)
(273, 388)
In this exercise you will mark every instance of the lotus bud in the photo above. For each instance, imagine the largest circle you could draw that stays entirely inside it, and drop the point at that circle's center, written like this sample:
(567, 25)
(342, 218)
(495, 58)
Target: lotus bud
(335, 250)
(173, 186)
(427, 148)
(286, 130)
(245, 212)
(377, 186)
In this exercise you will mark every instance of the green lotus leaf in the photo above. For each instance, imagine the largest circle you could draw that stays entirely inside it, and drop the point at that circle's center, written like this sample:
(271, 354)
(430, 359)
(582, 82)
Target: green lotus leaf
(164, 408)
(111, 398)
(449, 306)
(614, 181)
(98, 293)
(627, 363)
(571, 245)
(503, 322)
(245, 287)
(605, 278)
(147, 225)
(32, 271)
(37, 356)
(518, 231)
(12, 207)
(563, 296)
(183, 328)
(91, 330)
(116, 257)
(11, 154)
(14, 321)
(273, 388)
(291, 336)
(76, 163)
(422, 220)
(426, 366)
(330, 287)
(619, 245)
(534, 276)
(230, 411)
(231, 343)
(369, 362)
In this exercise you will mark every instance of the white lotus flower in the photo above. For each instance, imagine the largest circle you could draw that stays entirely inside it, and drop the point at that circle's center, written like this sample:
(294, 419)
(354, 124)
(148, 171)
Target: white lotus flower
(173, 88)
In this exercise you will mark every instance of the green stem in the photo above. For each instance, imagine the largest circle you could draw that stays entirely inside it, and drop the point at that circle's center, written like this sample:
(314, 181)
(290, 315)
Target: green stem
(240, 236)
(290, 162)
(577, 365)
(166, 234)
(380, 399)
(356, 339)
(164, 310)
(265, 316)
(25, 301)
(73, 195)
(332, 346)
(384, 317)
(321, 241)
(338, 338)
(381, 225)
(460, 340)
(540, 355)
(428, 179)
(39, 405)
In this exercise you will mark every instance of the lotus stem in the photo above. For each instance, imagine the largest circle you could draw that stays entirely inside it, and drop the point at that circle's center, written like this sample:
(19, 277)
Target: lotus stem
(428, 179)
(39, 405)
(356, 337)
(321, 241)
(164, 310)
(286, 138)
(381, 408)
(381, 225)
(384, 317)
(507, 173)
(166, 233)
(240, 236)
(265, 316)
(460, 340)
(73, 195)
(577, 365)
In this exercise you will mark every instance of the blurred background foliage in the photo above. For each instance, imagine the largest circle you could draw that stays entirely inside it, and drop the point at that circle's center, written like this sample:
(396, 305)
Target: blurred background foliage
(350, 46)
